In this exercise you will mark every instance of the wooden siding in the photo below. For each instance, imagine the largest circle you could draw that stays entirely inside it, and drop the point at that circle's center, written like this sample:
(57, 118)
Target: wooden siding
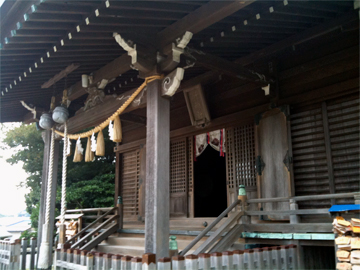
(326, 149)
(130, 171)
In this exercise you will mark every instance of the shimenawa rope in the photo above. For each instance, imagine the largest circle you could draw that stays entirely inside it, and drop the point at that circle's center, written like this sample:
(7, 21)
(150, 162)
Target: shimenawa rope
(115, 114)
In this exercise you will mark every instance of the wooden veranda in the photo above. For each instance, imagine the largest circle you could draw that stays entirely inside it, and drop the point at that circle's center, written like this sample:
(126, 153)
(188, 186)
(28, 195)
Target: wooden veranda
(278, 80)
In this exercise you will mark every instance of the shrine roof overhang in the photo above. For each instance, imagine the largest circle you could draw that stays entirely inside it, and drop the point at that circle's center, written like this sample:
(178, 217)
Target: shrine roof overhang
(39, 39)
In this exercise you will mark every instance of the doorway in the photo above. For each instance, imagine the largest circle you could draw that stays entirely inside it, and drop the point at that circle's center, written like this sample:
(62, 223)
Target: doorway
(210, 193)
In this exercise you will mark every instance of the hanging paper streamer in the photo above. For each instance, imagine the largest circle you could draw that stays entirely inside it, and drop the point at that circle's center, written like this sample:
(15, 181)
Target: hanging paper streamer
(117, 130)
(93, 143)
(89, 155)
(100, 144)
(111, 130)
(79, 150)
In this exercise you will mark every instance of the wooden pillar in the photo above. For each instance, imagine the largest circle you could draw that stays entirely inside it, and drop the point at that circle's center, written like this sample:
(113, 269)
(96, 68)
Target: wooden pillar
(117, 177)
(157, 172)
(44, 187)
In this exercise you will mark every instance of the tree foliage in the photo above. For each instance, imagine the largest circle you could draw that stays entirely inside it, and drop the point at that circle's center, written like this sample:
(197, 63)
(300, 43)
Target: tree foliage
(88, 184)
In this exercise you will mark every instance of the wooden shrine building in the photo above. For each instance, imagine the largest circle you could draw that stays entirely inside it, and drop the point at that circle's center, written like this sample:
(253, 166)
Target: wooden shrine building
(257, 93)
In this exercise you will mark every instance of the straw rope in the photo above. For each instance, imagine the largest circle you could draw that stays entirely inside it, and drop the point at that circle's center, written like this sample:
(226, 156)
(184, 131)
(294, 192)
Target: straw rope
(50, 178)
(64, 175)
(115, 114)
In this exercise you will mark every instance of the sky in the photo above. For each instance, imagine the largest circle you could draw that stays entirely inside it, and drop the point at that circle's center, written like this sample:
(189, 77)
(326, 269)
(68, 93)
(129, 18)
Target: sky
(12, 200)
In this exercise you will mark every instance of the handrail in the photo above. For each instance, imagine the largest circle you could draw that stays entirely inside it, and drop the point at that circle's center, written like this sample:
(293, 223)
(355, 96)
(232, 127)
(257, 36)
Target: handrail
(88, 210)
(304, 198)
(88, 226)
(98, 228)
(212, 225)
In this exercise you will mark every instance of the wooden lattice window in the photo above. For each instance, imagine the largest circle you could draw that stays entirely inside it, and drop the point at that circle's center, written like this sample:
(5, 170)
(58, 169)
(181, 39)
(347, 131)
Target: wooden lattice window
(130, 171)
(178, 166)
(240, 154)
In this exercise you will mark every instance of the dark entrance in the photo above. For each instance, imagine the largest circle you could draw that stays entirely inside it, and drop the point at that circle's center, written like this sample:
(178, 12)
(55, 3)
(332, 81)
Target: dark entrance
(210, 184)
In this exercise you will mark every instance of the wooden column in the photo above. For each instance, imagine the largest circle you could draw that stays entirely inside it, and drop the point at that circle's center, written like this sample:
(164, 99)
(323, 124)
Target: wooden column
(44, 187)
(157, 172)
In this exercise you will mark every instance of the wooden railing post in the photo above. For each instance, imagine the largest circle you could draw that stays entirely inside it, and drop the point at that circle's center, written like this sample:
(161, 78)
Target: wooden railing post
(294, 219)
(238, 259)
(83, 257)
(216, 261)
(276, 257)
(32, 256)
(249, 259)
(178, 262)
(136, 263)
(116, 262)
(267, 257)
(163, 264)
(107, 261)
(227, 260)
(204, 261)
(90, 261)
(62, 235)
(126, 262)
(258, 258)
(191, 262)
(24, 245)
(149, 261)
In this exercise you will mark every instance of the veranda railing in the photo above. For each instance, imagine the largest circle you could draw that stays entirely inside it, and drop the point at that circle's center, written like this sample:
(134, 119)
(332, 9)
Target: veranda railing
(278, 257)
(15, 254)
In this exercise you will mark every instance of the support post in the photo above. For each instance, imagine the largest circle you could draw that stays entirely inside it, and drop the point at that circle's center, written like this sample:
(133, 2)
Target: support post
(157, 171)
(294, 219)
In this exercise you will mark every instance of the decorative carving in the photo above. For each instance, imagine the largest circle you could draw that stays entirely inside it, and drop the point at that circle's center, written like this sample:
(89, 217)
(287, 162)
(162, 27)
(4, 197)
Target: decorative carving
(143, 64)
(173, 59)
(95, 97)
(172, 82)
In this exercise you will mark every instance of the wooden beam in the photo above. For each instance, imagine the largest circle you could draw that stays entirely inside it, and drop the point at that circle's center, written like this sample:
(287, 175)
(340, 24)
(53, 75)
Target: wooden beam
(60, 75)
(200, 19)
(196, 21)
(304, 36)
(133, 118)
(222, 65)
(112, 70)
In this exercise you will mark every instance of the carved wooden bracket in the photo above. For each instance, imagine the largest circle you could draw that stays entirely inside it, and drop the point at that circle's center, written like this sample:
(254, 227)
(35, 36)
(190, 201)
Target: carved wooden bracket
(176, 50)
(141, 60)
(171, 82)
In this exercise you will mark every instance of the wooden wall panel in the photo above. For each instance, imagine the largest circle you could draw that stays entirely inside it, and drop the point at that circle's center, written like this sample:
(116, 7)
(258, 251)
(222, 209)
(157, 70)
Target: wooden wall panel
(178, 178)
(319, 169)
(130, 172)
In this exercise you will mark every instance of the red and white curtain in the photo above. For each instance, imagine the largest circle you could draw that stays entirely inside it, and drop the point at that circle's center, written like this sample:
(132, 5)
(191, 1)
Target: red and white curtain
(216, 139)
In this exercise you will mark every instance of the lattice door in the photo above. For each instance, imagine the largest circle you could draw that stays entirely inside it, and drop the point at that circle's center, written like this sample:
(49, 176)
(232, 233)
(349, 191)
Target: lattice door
(240, 159)
(178, 178)
(130, 171)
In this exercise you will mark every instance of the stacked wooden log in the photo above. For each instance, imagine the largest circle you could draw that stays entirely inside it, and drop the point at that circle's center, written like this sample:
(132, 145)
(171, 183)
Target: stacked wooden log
(347, 243)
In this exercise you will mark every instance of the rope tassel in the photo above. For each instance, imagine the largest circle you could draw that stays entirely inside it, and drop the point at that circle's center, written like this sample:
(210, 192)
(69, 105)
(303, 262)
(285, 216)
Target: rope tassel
(78, 155)
(117, 133)
(89, 155)
(100, 145)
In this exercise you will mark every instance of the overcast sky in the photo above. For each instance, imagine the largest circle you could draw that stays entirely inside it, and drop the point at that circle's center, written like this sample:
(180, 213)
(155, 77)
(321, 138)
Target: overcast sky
(12, 199)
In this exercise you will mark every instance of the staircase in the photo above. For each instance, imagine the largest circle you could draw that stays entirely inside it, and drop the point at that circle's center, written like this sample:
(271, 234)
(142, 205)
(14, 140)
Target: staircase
(133, 244)
(220, 235)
